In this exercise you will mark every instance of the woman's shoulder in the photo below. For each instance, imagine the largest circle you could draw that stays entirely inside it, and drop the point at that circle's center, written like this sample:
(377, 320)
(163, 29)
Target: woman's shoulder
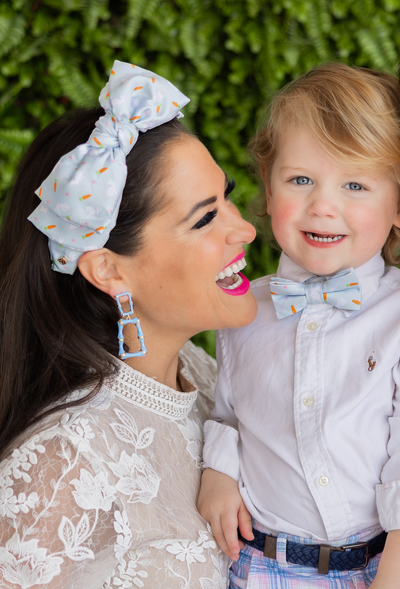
(201, 369)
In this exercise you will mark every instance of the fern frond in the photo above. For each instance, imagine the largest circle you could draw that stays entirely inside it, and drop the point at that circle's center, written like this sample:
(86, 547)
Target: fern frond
(134, 16)
(75, 85)
(15, 141)
(94, 10)
(12, 30)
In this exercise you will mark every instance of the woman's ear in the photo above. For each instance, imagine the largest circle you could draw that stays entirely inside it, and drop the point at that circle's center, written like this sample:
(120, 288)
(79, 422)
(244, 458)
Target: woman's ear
(102, 269)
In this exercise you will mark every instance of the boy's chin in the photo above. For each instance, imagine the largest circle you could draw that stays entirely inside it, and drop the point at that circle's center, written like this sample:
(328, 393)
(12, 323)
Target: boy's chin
(325, 268)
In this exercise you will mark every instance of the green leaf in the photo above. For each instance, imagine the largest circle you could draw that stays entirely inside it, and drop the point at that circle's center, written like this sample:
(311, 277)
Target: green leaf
(228, 56)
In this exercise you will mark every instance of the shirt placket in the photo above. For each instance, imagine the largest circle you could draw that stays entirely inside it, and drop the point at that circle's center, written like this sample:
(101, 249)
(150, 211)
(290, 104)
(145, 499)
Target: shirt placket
(319, 470)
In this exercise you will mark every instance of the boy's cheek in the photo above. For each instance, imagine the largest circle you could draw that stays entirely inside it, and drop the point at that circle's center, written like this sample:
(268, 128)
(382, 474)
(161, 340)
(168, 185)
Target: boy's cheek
(284, 214)
(365, 221)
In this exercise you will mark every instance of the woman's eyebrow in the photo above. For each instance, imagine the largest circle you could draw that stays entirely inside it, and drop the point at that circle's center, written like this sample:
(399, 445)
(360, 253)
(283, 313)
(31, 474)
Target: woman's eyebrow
(200, 205)
(203, 203)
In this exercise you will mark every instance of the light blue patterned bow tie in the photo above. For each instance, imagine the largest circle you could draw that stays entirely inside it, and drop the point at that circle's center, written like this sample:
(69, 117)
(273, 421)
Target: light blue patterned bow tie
(341, 290)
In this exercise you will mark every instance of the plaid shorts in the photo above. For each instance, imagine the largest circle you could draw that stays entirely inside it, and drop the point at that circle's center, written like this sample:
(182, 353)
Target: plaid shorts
(254, 571)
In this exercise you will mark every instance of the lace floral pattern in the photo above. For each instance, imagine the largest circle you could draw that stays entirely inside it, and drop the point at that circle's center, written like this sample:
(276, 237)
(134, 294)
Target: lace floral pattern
(104, 494)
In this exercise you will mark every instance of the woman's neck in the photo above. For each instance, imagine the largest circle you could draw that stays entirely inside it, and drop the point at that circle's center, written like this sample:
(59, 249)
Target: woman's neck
(161, 360)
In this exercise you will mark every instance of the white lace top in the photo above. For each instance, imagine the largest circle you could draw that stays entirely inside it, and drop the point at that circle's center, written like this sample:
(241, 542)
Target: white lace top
(103, 495)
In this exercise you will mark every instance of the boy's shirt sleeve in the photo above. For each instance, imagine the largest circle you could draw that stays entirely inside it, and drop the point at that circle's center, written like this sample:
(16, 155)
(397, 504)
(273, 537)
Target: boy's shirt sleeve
(388, 492)
(221, 435)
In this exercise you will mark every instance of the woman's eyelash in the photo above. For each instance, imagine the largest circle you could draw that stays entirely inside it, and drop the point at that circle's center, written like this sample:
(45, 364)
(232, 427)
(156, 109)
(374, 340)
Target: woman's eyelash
(208, 217)
(230, 187)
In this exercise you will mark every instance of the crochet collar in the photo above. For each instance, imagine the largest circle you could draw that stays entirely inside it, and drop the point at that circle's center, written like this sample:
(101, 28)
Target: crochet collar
(148, 393)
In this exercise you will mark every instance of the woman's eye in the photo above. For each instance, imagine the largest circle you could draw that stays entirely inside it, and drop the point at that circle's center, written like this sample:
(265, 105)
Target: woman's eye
(353, 186)
(301, 180)
(208, 217)
(230, 187)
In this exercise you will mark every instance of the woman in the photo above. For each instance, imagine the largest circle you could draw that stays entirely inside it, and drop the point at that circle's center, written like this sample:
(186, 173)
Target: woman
(101, 456)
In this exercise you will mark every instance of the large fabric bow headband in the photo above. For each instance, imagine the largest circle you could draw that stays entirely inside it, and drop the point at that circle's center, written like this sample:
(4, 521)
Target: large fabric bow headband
(82, 195)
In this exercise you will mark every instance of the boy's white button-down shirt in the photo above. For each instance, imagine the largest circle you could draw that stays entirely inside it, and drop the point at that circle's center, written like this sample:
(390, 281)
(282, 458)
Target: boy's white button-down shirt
(307, 414)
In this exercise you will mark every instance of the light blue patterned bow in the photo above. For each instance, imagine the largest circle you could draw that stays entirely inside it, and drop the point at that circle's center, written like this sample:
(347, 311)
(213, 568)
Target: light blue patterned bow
(341, 290)
(82, 195)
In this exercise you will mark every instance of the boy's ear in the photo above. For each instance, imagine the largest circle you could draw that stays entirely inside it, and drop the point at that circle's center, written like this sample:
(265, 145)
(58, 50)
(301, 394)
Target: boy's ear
(263, 173)
(267, 183)
(101, 268)
(396, 221)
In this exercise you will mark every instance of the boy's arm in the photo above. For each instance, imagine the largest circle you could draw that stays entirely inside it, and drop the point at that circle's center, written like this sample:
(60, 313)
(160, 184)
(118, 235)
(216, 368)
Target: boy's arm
(222, 506)
(388, 575)
(221, 431)
(388, 500)
(220, 502)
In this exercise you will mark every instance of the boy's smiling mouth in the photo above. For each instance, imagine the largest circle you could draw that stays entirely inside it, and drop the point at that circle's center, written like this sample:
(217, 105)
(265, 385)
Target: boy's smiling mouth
(323, 238)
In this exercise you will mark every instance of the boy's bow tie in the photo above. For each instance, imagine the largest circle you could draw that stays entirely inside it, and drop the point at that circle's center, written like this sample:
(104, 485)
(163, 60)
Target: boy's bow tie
(341, 290)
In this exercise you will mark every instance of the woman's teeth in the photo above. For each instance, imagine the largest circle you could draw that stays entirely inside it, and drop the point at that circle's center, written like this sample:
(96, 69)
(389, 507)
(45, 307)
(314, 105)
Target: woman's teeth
(236, 280)
(314, 237)
(228, 278)
(231, 270)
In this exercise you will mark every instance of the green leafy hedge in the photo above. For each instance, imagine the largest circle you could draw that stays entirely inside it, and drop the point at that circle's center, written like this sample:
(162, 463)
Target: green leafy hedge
(228, 56)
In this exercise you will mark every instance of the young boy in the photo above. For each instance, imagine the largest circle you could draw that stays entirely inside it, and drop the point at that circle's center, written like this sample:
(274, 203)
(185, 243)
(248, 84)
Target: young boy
(307, 421)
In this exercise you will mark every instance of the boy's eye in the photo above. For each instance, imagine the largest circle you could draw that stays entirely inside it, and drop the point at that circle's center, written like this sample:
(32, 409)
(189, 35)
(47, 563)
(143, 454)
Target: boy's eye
(208, 217)
(301, 180)
(353, 186)
(229, 187)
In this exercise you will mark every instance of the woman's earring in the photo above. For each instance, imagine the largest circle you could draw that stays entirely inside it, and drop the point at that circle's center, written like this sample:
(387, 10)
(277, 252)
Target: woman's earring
(125, 319)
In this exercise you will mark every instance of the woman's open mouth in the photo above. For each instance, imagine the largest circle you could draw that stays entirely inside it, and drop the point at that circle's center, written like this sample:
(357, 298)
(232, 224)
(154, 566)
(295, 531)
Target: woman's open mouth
(230, 278)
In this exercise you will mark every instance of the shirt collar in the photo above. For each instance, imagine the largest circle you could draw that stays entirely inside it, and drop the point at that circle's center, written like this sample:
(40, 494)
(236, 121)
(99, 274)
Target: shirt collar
(369, 275)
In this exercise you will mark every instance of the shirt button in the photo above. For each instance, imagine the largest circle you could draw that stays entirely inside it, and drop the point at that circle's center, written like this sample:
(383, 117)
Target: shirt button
(309, 401)
(323, 481)
(312, 326)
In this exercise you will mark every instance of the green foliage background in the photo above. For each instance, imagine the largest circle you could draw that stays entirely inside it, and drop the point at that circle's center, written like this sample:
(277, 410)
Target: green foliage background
(228, 56)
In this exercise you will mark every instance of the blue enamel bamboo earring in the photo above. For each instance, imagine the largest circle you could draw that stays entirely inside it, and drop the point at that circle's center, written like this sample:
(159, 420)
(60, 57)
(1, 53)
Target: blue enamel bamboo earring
(125, 319)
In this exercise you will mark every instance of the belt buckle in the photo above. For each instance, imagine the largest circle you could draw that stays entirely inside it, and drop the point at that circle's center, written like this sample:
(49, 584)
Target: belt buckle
(356, 546)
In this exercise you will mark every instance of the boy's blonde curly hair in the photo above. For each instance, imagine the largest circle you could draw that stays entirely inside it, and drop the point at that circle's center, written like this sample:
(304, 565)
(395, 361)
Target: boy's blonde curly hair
(353, 113)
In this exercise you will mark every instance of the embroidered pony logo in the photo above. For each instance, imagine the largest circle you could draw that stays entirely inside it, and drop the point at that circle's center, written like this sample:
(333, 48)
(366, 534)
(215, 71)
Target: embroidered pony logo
(371, 363)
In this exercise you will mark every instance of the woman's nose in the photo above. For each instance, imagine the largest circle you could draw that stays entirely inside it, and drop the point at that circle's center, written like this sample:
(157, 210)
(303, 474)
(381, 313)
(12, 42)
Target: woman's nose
(240, 231)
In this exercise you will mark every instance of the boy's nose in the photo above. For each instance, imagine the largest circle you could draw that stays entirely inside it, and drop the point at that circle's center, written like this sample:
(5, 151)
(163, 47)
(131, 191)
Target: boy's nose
(322, 204)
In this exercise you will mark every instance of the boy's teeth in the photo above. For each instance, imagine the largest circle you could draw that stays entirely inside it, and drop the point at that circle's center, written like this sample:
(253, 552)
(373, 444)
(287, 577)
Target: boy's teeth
(231, 270)
(324, 239)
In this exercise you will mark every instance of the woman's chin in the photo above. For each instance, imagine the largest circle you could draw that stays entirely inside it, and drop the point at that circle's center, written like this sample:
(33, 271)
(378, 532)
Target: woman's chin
(243, 308)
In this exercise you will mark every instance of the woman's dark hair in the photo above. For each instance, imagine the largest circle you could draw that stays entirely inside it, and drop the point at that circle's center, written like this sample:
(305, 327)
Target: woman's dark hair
(58, 333)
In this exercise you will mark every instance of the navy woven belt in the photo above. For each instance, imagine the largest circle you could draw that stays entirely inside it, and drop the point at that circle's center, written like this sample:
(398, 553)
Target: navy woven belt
(321, 556)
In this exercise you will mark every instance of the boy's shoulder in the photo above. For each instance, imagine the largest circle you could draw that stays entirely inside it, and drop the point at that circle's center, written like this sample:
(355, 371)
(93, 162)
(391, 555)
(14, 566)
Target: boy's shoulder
(261, 286)
(391, 278)
(262, 282)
